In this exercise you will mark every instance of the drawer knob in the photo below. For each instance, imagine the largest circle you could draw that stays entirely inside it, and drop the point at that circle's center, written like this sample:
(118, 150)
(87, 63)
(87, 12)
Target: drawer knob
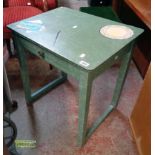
(41, 54)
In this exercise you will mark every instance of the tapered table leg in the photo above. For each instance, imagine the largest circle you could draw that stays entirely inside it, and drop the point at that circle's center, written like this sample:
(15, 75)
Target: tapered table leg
(117, 91)
(121, 77)
(23, 69)
(84, 97)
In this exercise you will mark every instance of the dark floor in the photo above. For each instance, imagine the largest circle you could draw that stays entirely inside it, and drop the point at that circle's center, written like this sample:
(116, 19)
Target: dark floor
(53, 120)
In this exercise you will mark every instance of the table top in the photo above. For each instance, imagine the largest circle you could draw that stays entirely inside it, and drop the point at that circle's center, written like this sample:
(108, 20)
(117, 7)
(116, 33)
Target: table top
(73, 35)
(143, 10)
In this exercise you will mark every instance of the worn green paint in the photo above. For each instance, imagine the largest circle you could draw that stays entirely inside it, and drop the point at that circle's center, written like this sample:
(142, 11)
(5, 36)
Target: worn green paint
(23, 68)
(85, 85)
(68, 44)
(67, 35)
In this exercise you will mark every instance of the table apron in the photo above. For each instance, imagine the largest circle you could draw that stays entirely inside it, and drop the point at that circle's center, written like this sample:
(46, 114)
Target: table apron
(57, 61)
(67, 66)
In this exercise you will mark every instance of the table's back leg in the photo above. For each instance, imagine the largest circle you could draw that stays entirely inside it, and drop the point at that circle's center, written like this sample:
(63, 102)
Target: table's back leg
(64, 75)
(23, 68)
(84, 97)
(122, 76)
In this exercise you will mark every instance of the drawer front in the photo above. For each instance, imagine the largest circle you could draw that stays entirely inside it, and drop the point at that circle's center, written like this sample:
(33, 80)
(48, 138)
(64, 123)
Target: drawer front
(57, 61)
(34, 49)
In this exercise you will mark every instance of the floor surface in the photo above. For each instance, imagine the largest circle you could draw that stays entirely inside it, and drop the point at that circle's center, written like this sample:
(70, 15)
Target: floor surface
(53, 119)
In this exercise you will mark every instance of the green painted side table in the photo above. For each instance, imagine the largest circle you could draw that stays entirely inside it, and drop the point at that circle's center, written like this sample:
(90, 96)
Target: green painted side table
(71, 41)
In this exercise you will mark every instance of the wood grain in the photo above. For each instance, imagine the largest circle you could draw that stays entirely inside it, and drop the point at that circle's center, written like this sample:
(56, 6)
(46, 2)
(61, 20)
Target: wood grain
(140, 119)
(142, 8)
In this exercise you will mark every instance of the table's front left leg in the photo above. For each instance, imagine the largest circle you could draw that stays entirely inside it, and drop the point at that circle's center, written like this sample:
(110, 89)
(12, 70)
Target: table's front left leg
(85, 85)
(33, 96)
(23, 69)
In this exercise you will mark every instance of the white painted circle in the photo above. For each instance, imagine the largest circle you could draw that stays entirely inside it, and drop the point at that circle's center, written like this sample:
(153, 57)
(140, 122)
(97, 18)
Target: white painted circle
(116, 32)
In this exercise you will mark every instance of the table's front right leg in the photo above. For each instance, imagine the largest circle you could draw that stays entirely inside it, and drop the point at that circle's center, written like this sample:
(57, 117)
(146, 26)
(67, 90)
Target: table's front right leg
(84, 98)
